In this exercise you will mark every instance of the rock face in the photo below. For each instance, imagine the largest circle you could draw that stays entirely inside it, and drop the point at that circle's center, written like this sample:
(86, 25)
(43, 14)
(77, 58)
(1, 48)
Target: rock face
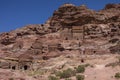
(70, 15)
(116, 48)
(72, 28)
(7, 38)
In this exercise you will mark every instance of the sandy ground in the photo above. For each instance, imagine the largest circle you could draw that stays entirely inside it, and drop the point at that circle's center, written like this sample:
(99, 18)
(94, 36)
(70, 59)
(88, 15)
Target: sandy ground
(7, 74)
(100, 72)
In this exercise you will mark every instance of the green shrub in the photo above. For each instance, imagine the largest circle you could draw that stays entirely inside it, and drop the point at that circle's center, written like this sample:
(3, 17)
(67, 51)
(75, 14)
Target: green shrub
(80, 69)
(80, 77)
(117, 75)
(11, 78)
(67, 73)
(52, 78)
(67, 79)
(58, 73)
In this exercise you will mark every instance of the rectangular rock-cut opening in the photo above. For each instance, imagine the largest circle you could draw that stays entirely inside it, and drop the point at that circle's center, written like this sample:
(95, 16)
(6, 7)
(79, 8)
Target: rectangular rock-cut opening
(25, 67)
(13, 67)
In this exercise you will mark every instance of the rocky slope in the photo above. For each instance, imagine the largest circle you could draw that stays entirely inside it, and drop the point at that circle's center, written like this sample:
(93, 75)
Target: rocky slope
(101, 24)
(72, 30)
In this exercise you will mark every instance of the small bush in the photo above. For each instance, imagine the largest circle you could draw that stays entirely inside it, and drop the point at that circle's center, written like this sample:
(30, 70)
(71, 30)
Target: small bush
(67, 73)
(117, 75)
(11, 78)
(80, 69)
(80, 77)
(67, 79)
(58, 73)
(52, 78)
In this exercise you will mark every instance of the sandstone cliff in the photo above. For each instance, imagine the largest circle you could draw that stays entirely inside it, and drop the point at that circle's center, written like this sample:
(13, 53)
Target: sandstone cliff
(71, 28)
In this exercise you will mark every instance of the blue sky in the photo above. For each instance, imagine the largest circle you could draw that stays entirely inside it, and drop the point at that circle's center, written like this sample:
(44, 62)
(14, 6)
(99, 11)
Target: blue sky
(18, 13)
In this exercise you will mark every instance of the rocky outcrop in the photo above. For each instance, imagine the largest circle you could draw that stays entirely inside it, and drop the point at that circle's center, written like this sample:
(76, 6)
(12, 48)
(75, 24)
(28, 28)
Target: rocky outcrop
(116, 48)
(36, 29)
(71, 29)
(70, 22)
(112, 6)
(71, 15)
(68, 15)
(36, 48)
(7, 38)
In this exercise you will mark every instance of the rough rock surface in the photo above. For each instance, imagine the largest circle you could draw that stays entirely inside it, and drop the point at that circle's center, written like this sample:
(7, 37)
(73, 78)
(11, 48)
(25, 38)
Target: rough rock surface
(70, 15)
(71, 32)
(71, 27)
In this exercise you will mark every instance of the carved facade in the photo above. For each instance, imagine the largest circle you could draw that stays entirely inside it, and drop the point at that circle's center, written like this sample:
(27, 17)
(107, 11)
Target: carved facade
(72, 33)
(15, 64)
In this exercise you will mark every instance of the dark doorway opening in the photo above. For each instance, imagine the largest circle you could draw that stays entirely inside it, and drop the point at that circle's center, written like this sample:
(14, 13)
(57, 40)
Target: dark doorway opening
(25, 67)
(13, 67)
(66, 38)
(82, 60)
(94, 51)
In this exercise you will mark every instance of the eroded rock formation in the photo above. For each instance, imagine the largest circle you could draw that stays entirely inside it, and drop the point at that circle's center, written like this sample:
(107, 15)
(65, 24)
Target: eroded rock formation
(75, 29)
